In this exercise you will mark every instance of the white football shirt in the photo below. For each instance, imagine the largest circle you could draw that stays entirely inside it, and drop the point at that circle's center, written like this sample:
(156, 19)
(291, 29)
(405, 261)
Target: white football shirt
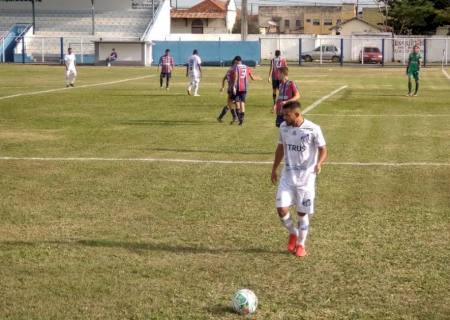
(194, 63)
(301, 151)
(70, 59)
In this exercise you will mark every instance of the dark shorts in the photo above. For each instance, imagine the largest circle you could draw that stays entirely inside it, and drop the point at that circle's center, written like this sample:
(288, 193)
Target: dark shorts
(414, 74)
(166, 75)
(231, 95)
(240, 96)
(279, 120)
(275, 83)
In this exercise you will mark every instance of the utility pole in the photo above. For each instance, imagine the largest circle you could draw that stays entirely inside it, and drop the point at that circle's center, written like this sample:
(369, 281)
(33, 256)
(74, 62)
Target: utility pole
(34, 16)
(93, 17)
(244, 20)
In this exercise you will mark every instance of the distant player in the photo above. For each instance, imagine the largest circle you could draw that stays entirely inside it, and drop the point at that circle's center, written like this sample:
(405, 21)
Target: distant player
(302, 145)
(287, 92)
(231, 104)
(194, 72)
(112, 57)
(167, 63)
(241, 75)
(71, 71)
(413, 69)
(274, 72)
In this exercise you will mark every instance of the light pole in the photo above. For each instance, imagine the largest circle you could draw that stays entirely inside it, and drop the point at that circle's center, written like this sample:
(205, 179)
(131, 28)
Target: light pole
(93, 16)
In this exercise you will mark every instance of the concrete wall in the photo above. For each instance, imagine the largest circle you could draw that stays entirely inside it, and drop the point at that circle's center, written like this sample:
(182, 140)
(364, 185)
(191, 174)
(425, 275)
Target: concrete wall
(306, 16)
(161, 24)
(56, 5)
(211, 26)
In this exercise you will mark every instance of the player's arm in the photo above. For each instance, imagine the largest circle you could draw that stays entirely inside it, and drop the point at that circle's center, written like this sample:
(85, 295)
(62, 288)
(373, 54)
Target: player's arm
(270, 72)
(253, 77)
(200, 68)
(279, 154)
(187, 69)
(223, 83)
(323, 154)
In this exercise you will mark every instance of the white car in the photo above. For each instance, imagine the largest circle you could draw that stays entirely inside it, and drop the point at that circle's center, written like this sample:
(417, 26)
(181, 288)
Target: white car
(329, 52)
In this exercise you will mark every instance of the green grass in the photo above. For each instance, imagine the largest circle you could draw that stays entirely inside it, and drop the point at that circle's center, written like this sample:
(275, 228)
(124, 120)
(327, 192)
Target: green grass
(140, 240)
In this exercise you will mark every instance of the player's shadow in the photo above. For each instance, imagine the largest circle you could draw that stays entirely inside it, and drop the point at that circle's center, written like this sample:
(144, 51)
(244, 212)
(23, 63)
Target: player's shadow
(142, 246)
(151, 122)
(221, 310)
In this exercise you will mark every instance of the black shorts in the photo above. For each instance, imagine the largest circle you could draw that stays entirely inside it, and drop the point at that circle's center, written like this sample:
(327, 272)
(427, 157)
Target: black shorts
(240, 96)
(279, 120)
(231, 95)
(165, 75)
(275, 84)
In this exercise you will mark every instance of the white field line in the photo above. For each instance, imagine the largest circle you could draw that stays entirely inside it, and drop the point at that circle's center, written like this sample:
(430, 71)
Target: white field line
(446, 73)
(316, 103)
(412, 115)
(70, 88)
(198, 161)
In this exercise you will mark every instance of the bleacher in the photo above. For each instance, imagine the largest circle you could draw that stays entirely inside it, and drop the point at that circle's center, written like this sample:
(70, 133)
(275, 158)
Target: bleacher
(76, 29)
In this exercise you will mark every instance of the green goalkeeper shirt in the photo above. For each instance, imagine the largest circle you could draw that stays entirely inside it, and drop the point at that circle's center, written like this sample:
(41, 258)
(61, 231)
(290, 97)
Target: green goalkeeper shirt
(414, 62)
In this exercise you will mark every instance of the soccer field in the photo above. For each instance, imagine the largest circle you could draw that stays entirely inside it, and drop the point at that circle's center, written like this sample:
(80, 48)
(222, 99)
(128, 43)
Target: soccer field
(92, 228)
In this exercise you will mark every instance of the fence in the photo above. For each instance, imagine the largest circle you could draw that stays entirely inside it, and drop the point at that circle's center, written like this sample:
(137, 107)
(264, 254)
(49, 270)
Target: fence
(304, 50)
(349, 50)
(216, 53)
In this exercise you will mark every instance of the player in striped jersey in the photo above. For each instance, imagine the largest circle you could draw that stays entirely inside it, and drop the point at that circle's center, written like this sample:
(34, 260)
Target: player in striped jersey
(274, 72)
(287, 92)
(231, 104)
(166, 62)
(241, 75)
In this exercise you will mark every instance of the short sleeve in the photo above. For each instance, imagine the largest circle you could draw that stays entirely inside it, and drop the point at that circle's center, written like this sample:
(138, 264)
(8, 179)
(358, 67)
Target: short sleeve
(280, 137)
(319, 138)
(199, 61)
(66, 58)
(294, 87)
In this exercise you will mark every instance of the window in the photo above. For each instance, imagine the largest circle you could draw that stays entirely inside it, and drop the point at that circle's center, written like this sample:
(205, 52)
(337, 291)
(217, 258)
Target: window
(308, 20)
(338, 21)
(197, 26)
(299, 23)
(327, 22)
(286, 23)
(316, 22)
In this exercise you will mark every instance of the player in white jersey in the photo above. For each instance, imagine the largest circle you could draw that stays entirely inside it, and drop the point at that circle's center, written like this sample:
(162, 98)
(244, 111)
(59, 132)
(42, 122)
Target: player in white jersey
(194, 71)
(71, 71)
(302, 145)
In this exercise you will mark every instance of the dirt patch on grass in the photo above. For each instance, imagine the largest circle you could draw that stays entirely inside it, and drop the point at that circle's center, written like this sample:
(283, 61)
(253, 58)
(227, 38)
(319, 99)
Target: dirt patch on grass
(29, 135)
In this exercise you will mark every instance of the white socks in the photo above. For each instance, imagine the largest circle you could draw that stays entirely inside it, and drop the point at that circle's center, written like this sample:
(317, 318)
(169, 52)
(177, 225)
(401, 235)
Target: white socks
(303, 226)
(287, 222)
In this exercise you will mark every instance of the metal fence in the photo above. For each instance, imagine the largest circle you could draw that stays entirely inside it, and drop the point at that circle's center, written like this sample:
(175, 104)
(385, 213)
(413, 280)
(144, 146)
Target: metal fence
(351, 50)
(305, 50)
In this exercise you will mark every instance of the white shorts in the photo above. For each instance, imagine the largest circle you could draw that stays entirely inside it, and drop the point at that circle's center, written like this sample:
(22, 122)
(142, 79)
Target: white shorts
(300, 196)
(194, 78)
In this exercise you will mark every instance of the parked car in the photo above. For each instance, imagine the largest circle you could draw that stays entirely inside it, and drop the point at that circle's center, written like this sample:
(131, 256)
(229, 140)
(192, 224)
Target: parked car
(329, 52)
(371, 55)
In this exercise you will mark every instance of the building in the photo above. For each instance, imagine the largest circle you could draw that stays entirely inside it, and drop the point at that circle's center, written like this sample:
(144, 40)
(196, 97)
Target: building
(304, 19)
(373, 16)
(355, 26)
(207, 17)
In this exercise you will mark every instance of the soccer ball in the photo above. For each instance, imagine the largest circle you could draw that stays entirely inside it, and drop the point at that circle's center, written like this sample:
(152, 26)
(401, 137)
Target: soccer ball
(245, 302)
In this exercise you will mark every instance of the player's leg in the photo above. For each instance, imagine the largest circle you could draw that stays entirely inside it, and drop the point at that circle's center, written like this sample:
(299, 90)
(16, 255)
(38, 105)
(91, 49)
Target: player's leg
(67, 78)
(196, 86)
(279, 120)
(224, 110)
(241, 115)
(305, 207)
(161, 79)
(416, 78)
(284, 199)
(189, 87)
(72, 76)
(409, 84)
(168, 76)
(275, 84)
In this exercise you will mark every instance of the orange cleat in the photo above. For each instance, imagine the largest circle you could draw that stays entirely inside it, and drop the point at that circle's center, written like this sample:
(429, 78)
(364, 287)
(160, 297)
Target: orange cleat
(300, 251)
(292, 243)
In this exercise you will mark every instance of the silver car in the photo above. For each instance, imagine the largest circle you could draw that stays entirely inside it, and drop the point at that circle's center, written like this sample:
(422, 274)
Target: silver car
(329, 52)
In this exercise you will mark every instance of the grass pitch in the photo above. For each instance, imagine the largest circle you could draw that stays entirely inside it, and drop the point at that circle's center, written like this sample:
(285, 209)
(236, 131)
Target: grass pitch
(144, 240)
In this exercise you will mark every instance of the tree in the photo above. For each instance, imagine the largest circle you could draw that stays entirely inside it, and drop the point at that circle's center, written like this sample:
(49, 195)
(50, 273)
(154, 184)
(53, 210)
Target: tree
(418, 16)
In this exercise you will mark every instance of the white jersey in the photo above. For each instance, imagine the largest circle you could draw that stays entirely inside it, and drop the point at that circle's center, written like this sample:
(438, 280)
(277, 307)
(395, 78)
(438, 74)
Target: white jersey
(194, 63)
(70, 59)
(301, 151)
